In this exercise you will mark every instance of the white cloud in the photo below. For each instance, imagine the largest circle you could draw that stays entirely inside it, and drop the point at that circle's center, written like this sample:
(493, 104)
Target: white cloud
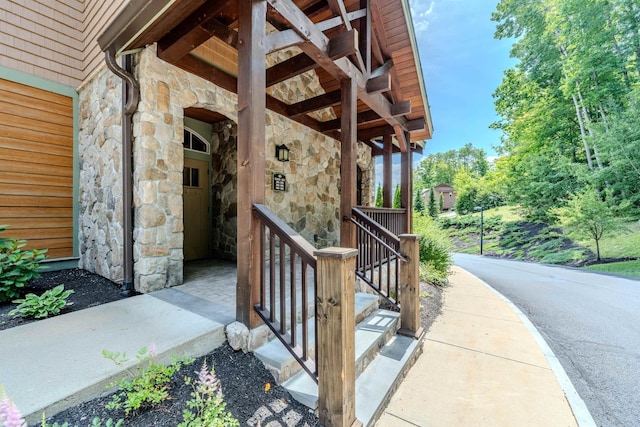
(422, 14)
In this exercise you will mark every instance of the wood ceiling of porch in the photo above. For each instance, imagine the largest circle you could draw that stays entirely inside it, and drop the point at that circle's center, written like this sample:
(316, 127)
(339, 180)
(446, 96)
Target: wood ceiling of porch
(184, 25)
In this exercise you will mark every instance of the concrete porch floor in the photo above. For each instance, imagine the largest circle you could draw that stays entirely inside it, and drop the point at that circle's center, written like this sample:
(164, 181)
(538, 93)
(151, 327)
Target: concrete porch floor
(209, 290)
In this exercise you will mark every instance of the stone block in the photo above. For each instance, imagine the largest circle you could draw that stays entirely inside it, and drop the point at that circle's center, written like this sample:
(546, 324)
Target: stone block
(238, 336)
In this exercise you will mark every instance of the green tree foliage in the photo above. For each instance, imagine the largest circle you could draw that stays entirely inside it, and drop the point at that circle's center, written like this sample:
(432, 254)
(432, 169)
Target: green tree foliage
(441, 202)
(418, 203)
(588, 215)
(378, 197)
(441, 168)
(569, 107)
(433, 209)
(397, 196)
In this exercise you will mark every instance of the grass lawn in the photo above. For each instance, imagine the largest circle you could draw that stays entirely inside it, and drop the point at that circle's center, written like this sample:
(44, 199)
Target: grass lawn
(625, 268)
(621, 244)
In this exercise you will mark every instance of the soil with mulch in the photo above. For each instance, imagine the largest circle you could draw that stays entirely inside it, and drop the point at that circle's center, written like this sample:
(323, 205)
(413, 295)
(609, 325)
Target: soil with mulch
(89, 290)
(249, 389)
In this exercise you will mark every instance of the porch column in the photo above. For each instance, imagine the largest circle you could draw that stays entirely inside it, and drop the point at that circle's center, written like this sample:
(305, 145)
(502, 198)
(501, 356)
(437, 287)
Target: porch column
(348, 130)
(251, 135)
(387, 169)
(406, 186)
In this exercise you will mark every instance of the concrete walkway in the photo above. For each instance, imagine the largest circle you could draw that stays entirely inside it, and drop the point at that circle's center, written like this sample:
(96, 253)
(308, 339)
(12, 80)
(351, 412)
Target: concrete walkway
(481, 366)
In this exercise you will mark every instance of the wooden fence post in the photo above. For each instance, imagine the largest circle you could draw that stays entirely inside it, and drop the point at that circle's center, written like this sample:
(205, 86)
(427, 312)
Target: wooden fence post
(410, 286)
(336, 336)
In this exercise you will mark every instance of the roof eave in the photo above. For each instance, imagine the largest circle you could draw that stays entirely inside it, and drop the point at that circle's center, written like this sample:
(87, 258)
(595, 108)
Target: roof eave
(416, 55)
(130, 23)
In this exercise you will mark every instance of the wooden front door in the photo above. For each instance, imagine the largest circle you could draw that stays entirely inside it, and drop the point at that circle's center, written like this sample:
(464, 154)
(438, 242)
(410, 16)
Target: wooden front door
(196, 209)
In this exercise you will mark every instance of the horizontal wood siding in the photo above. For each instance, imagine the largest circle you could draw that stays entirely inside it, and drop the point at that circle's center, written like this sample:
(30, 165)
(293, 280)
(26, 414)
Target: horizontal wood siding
(96, 17)
(36, 167)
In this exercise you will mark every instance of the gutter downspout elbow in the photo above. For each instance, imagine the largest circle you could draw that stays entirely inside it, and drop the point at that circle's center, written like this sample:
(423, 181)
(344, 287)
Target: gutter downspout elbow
(130, 99)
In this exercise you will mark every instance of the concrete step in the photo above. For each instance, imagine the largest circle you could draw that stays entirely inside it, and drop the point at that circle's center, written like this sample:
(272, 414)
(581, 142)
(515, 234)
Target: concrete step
(282, 364)
(375, 385)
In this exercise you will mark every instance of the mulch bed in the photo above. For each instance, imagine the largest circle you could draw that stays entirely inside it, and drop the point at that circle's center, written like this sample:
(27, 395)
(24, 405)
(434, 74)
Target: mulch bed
(243, 378)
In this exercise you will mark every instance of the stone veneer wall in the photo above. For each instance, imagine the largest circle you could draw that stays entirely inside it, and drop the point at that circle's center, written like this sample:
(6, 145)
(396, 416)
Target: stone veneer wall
(100, 193)
(224, 182)
(310, 204)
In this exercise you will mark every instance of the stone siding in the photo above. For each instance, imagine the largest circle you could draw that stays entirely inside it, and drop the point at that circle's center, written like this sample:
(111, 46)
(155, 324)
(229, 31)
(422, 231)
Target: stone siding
(310, 203)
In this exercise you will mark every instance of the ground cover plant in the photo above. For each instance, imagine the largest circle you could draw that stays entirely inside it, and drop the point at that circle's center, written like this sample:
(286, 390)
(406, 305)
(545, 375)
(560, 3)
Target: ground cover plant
(17, 266)
(50, 303)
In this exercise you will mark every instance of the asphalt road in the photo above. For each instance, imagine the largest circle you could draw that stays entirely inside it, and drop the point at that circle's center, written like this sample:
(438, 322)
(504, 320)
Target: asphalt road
(591, 322)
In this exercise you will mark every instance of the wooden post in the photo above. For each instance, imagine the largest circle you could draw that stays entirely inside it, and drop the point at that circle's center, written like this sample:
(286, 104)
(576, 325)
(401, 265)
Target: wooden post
(405, 187)
(348, 129)
(251, 135)
(336, 336)
(410, 286)
(387, 169)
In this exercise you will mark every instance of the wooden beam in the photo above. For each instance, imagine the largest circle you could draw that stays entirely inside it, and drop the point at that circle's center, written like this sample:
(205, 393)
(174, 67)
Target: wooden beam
(313, 104)
(405, 187)
(221, 31)
(189, 34)
(376, 132)
(288, 38)
(364, 117)
(385, 68)
(251, 156)
(417, 124)
(379, 84)
(340, 69)
(401, 137)
(348, 166)
(400, 108)
(226, 81)
(387, 169)
(289, 68)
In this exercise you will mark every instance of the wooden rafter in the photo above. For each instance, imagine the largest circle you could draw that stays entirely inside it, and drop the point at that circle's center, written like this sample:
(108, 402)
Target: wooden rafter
(190, 33)
(340, 69)
(314, 104)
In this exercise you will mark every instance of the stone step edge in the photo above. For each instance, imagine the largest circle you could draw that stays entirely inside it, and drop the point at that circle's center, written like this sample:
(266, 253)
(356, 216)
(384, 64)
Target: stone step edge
(385, 372)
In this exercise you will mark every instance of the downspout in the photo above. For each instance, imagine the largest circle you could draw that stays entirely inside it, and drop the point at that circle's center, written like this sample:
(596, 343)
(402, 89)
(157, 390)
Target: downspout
(130, 98)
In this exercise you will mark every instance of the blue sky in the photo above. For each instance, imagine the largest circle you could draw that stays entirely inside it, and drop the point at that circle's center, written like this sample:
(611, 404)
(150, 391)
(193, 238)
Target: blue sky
(462, 65)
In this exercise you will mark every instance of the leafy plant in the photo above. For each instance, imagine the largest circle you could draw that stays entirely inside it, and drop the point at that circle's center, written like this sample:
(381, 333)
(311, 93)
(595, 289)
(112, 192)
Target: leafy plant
(206, 407)
(96, 422)
(17, 266)
(48, 304)
(435, 251)
(145, 387)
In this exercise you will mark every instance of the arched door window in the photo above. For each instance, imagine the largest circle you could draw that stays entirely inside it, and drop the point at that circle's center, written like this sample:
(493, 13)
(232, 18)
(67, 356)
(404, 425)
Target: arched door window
(194, 142)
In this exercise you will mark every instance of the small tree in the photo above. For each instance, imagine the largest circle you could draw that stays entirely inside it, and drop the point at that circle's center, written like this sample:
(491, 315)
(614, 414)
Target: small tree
(433, 210)
(587, 215)
(379, 196)
(397, 196)
(418, 204)
(441, 202)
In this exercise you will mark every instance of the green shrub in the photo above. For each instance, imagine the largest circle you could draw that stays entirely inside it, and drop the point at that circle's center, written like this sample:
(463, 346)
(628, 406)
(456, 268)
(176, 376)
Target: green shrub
(17, 266)
(435, 252)
(48, 304)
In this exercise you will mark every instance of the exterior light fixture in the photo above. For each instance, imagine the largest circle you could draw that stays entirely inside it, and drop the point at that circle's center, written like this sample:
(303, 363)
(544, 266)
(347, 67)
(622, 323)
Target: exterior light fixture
(282, 153)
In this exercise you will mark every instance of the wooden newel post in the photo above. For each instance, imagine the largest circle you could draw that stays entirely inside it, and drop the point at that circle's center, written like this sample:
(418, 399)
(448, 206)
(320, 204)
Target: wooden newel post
(410, 286)
(336, 336)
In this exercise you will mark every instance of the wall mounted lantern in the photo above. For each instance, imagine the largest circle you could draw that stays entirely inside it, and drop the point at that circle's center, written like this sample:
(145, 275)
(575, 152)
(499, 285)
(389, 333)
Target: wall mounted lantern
(282, 153)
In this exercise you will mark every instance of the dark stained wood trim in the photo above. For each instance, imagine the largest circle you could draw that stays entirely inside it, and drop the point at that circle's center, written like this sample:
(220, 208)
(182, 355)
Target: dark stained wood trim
(348, 162)
(289, 68)
(226, 81)
(189, 34)
(387, 169)
(316, 103)
(251, 153)
(379, 84)
(364, 117)
(377, 132)
(405, 186)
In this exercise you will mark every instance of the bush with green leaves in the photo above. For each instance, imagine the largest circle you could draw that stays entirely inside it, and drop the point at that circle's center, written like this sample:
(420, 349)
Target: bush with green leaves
(206, 406)
(17, 266)
(48, 304)
(435, 251)
(148, 386)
